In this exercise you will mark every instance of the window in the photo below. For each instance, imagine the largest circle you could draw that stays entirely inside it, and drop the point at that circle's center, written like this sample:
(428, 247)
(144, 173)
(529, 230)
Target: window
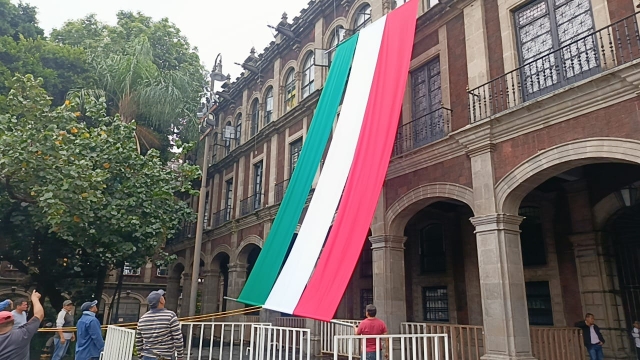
(228, 200)
(366, 261)
(545, 26)
(539, 303)
(428, 116)
(366, 298)
(257, 185)
(363, 18)
(432, 249)
(268, 105)
(214, 150)
(255, 117)
(205, 220)
(435, 303)
(308, 75)
(532, 237)
(238, 129)
(162, 271)
(129, 311)
(227, 137)
(336, 38)
(129, 270)
(289, 90)
(294, 153)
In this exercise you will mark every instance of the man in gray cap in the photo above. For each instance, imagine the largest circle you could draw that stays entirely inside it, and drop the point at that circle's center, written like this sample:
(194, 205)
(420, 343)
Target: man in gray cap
(61, 339)
(90, 343)
(159, 336)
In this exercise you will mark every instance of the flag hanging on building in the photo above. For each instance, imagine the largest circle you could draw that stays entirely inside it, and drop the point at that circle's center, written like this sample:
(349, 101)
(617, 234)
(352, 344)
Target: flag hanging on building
(317, 272)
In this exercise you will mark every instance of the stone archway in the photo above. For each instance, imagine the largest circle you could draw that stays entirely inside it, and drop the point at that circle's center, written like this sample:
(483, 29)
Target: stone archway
(173, 286)
(399, 213)
(216, 281)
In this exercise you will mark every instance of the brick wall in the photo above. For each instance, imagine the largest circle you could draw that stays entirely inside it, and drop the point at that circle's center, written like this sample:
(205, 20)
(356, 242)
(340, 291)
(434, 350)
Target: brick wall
(457, 54)
(494, 38)
(619, 9)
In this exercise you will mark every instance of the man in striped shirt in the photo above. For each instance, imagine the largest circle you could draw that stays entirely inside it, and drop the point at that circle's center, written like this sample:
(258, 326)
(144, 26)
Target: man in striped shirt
(159, 336)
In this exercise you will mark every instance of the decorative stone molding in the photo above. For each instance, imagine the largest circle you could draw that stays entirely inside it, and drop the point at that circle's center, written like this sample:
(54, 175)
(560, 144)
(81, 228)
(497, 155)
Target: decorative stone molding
(495, 222)
(387, 241)
(237, 267)
(240, 256)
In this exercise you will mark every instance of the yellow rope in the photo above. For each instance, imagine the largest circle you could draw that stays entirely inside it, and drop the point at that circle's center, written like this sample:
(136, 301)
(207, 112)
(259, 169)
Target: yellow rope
(184, 319)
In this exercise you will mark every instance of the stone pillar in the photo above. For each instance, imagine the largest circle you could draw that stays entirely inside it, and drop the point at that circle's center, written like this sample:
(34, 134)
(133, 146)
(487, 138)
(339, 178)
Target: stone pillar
(388, 280)
(186, 292)
(237, 279)
(504, 302)
(173, 293)
(210, 291)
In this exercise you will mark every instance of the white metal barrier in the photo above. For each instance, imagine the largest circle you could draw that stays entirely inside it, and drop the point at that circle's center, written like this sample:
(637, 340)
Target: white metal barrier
(466, 342)
(294, 322)
(279, 343)
(398, 347)
(218, 340)
(330, 329)
(119, 344)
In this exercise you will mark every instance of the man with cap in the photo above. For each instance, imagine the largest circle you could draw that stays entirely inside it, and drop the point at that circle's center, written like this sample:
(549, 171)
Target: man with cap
(159, 335)
(90, 343)
(61, 339)
(14, 342)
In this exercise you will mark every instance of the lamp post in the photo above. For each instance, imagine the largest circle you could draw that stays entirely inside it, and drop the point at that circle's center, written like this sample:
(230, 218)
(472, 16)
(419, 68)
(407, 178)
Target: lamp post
(216, 75)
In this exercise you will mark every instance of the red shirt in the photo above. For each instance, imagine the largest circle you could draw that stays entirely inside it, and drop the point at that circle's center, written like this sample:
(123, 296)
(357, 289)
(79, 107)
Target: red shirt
(372, 326)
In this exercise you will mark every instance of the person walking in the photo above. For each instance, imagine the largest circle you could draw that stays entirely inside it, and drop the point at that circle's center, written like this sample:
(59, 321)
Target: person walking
(15, 341)
(90, 343)
(159, 336)
(593, 339)
(62, 339)
(373, 326)
(636, 336)
(20, 316)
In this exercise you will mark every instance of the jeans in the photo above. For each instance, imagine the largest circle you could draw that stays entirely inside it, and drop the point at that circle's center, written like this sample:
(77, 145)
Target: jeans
(60, 349)
(371, 355)
(638, 352)
(595, 352)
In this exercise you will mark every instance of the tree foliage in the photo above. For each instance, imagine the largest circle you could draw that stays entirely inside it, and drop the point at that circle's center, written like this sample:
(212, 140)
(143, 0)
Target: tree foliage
(18, 21)
(75, 192)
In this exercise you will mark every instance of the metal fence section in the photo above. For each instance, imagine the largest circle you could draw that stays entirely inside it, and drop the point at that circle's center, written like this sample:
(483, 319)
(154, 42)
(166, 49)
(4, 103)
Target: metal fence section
(422, 131)
(119, 344)
(464, 341)
(217, 340)
(557, 343)
(328, 330)
(279, 343)
(398, 347)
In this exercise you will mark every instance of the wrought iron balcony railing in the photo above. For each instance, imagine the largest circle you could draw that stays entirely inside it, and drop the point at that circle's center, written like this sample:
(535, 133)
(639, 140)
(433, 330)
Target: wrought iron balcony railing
(279, 190)
(188, 230)
(250, 204)
(586, 56)
(221, 216)
(422, 131)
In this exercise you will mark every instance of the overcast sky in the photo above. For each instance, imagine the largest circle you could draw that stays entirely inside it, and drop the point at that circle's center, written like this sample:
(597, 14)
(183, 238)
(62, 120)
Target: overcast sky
(230, 27)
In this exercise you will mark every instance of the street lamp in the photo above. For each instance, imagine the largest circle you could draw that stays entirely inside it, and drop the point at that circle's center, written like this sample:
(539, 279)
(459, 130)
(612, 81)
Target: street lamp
(207, 123)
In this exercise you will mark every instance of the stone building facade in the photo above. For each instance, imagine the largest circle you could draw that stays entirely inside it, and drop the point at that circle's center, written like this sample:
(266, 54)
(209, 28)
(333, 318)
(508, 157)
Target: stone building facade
(511, 199)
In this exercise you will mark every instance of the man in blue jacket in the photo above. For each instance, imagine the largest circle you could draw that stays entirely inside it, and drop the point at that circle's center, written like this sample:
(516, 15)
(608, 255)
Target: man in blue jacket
(89, 340)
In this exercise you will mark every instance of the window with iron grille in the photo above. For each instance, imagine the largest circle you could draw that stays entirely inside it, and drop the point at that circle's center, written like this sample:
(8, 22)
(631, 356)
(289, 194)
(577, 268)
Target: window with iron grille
(268, 105)
(228, 199)
(295, 148)
(435, 303)
(257, 185)
(366, 298)
(428, 118)
(129, 270)
(162, 271)
(432, 249)
(539, 303)
(544, 26)
(532, 237)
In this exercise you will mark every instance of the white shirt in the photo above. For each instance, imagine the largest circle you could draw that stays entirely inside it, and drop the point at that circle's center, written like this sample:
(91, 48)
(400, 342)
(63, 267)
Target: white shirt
(636, 336)
(19, 318)
(594, 337)
(60, 323)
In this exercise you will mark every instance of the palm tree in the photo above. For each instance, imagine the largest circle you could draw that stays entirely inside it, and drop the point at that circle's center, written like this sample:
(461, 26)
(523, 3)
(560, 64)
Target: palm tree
(138, 90)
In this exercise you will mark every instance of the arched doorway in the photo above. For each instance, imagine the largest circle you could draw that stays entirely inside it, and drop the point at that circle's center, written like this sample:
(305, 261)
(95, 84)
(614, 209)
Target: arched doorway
(218, 287)
(173, 287)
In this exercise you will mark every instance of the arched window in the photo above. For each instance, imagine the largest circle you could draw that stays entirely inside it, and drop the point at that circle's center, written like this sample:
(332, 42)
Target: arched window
(308, 75)
(337, 37)
(363, 17)
(255, 117)
(268, 105)
(227, 138)
(238, 129)
(289, 90)
(432, 249)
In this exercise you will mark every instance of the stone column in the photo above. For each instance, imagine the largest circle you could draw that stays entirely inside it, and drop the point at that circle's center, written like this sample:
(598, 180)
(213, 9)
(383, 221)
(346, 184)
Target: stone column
(237, 279)
(388, 280)
(504, 302)
(210, 291)
(173, 293)
(186, 292)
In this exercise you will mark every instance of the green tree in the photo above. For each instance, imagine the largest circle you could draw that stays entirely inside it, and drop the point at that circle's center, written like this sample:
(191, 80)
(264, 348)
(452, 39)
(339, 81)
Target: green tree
(19, 21)
(76, 197)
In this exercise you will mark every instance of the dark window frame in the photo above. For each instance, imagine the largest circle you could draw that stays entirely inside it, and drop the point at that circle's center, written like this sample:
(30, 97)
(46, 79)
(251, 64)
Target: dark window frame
(539, 304)
(435, 304)
(294, 155)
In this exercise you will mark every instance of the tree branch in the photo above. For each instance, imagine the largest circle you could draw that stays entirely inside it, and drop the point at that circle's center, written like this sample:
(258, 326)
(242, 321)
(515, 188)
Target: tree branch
(13, 195)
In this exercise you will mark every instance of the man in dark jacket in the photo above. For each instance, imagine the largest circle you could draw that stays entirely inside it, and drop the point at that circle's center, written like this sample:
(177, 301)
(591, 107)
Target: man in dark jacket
(90, 343)
(592, 336)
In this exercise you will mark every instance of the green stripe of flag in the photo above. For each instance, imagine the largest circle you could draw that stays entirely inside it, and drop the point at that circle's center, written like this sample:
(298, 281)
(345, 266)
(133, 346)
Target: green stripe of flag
(265, 272)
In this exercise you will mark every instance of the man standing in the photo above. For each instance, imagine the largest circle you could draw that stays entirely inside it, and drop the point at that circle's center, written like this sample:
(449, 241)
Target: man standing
(7, 304)
(61, 339)
(159, 336)
(90, 343)
(636, 336)
(20, 316)
(592, 337)
(14, 342)
(372, 326)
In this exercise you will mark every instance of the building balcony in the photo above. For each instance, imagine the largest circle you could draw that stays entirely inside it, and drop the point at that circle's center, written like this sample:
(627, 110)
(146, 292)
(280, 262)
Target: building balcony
(221, 217)
(424, 130)
(188, 230)
(250, 204)
(579, 60)
(279, 190)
